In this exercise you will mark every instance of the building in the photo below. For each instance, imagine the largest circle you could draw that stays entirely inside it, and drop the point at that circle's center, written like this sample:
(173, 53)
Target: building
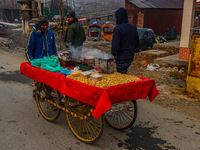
(158, 15)
(9, 10)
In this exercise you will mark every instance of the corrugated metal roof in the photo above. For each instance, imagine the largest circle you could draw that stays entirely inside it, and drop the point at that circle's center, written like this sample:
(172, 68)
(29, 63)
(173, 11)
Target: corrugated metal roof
(158, 3)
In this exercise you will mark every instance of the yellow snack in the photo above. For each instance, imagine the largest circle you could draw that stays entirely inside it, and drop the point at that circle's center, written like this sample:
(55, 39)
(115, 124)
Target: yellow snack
(108, 79)
(76, 74)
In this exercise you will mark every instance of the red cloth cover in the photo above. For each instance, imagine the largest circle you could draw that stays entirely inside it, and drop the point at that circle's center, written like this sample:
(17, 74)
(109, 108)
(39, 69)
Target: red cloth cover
(101, 98)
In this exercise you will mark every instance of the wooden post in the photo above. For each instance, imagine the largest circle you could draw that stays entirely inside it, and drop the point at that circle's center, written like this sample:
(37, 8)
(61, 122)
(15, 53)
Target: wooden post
(39, 8)
(25, 26)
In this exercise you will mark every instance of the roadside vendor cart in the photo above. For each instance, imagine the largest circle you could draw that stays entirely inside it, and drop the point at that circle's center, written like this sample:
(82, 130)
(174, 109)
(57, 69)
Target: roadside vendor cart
(56, 92)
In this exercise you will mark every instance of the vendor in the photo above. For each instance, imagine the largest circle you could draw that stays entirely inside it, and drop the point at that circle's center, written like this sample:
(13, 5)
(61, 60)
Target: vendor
(74, 36)
(41, 41)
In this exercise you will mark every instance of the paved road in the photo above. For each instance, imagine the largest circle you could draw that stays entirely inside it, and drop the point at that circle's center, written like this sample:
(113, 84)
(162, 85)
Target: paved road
(22, 127)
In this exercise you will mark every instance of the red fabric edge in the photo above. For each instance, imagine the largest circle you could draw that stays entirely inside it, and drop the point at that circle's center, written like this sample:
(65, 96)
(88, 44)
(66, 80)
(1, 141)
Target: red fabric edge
(102, 98)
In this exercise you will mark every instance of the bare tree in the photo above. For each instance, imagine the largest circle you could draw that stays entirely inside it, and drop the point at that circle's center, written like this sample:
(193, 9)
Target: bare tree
(55, 4)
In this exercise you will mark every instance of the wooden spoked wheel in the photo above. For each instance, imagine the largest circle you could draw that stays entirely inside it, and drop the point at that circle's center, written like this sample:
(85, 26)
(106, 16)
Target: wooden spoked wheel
(87, 130)
(122, 115)
(45, 95)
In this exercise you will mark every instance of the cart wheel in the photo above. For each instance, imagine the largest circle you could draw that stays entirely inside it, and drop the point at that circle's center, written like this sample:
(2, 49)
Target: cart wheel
(122, 115)
(47, 110)
(86, 130)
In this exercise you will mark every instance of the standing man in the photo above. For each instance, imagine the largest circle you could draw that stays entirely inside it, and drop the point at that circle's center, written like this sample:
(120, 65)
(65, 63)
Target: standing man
(75, 35)
(125, 41)
(41, 41)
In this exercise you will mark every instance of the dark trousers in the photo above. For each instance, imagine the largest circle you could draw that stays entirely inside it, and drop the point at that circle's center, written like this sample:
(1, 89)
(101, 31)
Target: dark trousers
(123, 67)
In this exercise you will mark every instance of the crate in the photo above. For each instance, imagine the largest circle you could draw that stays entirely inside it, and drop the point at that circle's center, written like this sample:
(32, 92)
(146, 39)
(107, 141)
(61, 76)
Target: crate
(64, 63)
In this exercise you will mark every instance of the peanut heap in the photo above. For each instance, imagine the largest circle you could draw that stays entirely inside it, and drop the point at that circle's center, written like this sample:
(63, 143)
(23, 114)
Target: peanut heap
(107, 80)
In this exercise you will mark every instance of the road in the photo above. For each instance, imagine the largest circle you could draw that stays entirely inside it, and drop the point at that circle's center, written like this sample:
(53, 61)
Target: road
(23, 128)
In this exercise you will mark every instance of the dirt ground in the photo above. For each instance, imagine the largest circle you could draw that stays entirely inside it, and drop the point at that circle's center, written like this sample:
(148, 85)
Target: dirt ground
(171, 85)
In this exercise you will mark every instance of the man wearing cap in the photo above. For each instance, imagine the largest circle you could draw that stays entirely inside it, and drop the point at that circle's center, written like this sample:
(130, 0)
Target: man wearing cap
(74, 36)
(41, 41)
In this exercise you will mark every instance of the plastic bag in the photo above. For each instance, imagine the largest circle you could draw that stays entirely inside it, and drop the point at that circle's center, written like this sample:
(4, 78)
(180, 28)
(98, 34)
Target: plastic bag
(152, 67)
(65, 71)
(43, 66)
(75, 70)
(54, 69)
(36, 62)
(51, 64)
(51, 61)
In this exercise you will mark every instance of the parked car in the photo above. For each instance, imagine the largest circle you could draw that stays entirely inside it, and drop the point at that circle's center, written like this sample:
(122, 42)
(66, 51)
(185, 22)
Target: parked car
(56, 18)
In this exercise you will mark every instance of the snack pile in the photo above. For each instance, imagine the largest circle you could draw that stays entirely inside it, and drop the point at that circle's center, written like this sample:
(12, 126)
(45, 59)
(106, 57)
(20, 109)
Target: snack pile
(106, 79)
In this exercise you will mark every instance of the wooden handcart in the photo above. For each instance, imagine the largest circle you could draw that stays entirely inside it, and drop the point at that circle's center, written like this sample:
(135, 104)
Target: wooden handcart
(87, 106)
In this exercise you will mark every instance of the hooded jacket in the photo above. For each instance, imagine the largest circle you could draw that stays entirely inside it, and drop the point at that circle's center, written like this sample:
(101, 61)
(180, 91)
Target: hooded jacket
(40, 44)
(125, 38)
(75, 35)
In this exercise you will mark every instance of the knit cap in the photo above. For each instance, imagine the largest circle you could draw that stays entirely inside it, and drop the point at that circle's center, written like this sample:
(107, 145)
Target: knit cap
(71, 13)
(42, 19)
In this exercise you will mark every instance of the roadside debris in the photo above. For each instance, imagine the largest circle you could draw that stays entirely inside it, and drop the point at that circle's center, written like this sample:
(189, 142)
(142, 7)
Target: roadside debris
(152, 67)
(156, 67)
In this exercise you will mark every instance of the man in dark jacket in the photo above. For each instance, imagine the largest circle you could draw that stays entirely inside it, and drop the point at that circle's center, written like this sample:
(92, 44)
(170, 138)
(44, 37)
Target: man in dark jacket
(125, 41)
(41, 41)
(75, 35)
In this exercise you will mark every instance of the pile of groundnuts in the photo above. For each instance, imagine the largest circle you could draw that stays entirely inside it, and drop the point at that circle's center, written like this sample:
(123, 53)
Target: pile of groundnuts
(107, 79)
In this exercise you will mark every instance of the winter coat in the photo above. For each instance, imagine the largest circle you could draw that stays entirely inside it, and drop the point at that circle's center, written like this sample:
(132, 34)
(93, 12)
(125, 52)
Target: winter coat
(75, 35)
(40, 44)
(125, 38)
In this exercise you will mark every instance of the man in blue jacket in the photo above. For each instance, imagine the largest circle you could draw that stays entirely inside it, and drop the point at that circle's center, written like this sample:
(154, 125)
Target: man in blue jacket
(125, 41)
(41, 41)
